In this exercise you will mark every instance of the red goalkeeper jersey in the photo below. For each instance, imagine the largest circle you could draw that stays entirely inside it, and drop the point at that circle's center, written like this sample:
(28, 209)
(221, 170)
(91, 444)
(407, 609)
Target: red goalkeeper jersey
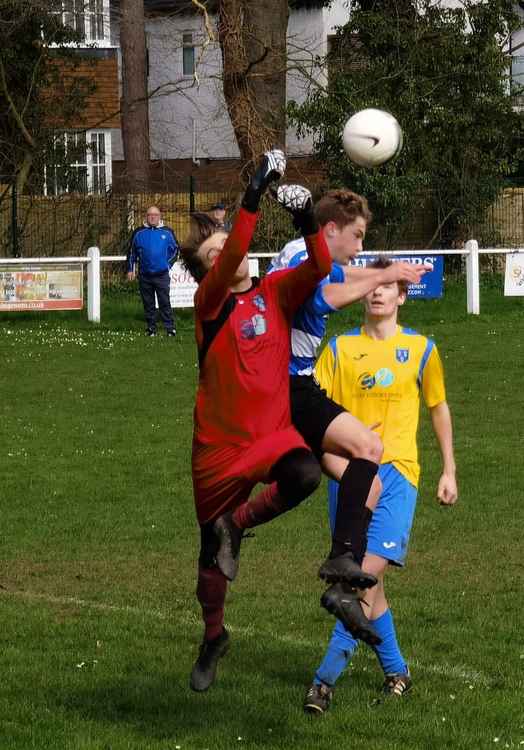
(244, 342)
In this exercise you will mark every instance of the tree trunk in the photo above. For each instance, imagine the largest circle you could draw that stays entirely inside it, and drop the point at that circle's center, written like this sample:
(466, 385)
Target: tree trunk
(252, 38)
(24, 171)
(134, 105)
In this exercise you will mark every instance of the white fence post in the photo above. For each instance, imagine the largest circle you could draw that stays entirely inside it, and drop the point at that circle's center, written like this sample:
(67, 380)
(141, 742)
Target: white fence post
(473, 277)
(93, 285)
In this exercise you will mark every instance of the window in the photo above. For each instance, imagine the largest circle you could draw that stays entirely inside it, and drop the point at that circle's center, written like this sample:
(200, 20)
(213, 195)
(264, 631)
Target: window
(98, 162)
(67, 171)
(517, 77)
(188, 55)
(90, 18)
(80, 162)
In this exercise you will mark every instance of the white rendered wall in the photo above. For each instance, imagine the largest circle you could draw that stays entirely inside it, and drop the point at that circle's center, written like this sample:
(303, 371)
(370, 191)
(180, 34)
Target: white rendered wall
(306, 42)
(308, 32)
(178, 106)
(518, 39)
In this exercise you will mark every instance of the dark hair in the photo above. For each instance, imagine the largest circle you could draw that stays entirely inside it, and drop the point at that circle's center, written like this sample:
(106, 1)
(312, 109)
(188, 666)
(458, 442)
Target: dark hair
(202, 228)
(343, 207)
(383, 262)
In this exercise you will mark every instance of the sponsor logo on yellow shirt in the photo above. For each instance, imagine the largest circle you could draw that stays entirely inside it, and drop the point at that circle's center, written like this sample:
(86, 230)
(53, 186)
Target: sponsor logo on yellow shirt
(383, 377)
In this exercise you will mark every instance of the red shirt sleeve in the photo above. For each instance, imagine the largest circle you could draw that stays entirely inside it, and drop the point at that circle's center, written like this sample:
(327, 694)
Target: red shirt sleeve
(297, 284)
(215, 287)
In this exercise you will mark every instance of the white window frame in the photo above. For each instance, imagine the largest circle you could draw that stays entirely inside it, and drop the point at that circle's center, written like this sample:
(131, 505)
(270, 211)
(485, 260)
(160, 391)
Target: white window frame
(188, 42)
(89, 40)
(520, 76)
(92, 163)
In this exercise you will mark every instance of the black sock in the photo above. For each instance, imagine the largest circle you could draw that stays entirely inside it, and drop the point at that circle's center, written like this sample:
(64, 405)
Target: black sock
(353, 517)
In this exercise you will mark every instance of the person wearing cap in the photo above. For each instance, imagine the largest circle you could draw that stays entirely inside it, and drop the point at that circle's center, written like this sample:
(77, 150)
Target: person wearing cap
(218, 213)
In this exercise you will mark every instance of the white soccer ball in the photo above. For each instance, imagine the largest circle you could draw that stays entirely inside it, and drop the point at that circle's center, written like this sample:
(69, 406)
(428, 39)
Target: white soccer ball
(372, 137)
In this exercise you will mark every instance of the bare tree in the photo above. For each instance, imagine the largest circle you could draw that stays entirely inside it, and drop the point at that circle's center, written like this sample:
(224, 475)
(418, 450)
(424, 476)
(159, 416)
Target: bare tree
(134, 104)
(252, 39)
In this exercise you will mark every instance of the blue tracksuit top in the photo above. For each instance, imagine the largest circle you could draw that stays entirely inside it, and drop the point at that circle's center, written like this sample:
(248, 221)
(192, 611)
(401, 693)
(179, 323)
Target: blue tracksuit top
(155, 249)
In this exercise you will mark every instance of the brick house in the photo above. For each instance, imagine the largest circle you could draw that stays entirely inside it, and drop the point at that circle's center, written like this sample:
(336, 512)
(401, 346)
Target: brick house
(85, 141)
(190, 131)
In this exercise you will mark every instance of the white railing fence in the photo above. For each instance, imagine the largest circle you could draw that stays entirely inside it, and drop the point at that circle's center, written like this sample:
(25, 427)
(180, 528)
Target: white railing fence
(94, 259)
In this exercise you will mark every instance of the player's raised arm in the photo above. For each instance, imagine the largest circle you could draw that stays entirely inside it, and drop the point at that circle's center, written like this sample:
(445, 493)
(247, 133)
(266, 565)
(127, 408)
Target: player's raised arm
(361, 281)
(296, 284)
(229, 254)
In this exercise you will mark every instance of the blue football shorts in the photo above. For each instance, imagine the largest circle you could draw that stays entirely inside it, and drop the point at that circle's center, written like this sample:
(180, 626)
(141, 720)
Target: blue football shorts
(390, 527)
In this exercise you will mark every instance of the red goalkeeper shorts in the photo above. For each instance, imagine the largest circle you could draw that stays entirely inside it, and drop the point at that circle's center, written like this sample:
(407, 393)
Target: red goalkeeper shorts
(224, 476)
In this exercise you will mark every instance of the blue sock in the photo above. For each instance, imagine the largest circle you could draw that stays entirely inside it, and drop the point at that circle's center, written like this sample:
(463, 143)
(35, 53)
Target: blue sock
(388, 653)
(341, 648)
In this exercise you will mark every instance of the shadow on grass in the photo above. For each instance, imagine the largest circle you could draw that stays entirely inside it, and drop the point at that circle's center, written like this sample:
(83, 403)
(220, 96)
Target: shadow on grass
(257, 700)
(256, 697)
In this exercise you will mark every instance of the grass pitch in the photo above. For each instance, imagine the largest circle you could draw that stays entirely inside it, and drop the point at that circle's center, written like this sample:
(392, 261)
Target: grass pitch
(99, 623)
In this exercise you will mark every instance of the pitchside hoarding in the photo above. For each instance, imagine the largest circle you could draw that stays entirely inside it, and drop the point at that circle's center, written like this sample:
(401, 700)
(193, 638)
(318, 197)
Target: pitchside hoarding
(41, 287)
(431, 284)
(183, 286)
(514, 277)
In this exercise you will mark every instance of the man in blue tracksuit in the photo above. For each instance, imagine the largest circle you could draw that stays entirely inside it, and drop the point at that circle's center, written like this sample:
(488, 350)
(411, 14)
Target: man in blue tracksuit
(155, 247)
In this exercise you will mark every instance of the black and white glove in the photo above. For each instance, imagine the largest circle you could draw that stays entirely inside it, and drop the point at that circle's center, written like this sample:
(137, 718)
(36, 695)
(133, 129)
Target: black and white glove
(271, 168)
(298, 202)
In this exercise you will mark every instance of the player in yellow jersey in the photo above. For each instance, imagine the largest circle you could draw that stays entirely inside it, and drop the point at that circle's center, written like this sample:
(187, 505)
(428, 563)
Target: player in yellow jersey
(377, 372)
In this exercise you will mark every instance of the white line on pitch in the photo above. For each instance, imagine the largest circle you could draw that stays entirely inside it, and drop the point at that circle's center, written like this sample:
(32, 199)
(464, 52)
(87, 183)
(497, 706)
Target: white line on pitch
(456, 671)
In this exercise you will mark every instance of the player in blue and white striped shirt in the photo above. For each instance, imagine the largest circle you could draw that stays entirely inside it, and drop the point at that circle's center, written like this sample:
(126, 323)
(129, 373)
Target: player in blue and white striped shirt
(332, 433)
(309, 324)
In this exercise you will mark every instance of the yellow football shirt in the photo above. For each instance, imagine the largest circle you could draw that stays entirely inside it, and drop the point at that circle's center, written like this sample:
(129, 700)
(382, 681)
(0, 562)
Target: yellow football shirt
(380, 381)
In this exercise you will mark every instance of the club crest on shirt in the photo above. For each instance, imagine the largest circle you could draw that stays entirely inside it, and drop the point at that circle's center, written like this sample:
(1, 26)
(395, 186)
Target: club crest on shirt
(402, 355)
(256, 326)
(259, 302)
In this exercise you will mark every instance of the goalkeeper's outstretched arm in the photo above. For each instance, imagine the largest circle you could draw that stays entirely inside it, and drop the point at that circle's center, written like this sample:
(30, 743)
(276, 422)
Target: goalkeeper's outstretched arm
(297, 284)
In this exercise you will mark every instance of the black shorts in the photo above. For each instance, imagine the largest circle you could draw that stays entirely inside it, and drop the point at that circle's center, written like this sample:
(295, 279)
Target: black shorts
(312, 411)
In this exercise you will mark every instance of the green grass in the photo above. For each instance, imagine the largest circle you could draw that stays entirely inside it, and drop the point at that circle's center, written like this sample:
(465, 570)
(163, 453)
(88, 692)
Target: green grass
(99, 622)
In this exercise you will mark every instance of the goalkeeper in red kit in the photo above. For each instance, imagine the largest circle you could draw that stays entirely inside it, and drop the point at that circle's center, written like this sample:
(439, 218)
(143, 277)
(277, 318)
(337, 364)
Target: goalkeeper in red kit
(243, 433)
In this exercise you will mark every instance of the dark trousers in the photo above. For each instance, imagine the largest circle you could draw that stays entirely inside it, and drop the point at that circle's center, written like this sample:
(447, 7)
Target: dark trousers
(159, 283)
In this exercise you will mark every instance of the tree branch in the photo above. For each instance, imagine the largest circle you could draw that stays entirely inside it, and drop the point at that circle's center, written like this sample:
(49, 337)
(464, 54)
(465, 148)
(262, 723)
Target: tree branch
(32, 84)
(25, 132)
(257, 62)
(441, 224)
(210, 38)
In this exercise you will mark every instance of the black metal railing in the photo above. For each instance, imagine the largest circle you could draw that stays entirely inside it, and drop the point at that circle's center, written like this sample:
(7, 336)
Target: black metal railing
(66, 225)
